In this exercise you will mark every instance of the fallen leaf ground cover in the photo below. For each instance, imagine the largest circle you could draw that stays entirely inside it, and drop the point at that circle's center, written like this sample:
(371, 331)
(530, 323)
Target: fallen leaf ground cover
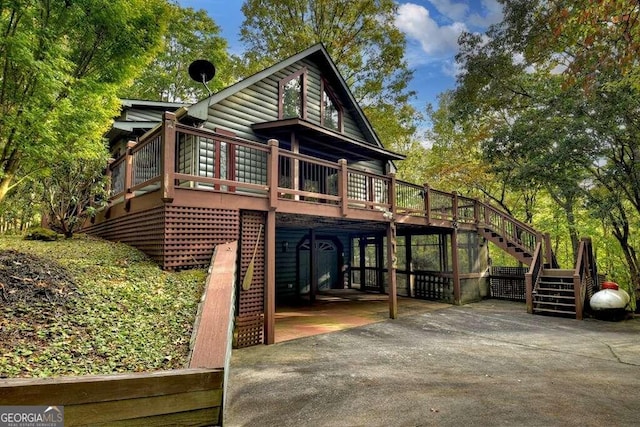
(87, 306)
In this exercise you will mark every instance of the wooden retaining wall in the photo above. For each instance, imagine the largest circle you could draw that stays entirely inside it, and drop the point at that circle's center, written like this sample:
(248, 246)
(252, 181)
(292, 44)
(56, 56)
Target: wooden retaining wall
(186, 397)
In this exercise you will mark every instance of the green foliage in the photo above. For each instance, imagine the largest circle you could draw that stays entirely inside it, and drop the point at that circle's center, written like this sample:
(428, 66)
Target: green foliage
(575, 144)
(73, 190)
(61, 66)
(191, 35)
(126, 314)
(41, 234)
(598, 40)
(21, 207)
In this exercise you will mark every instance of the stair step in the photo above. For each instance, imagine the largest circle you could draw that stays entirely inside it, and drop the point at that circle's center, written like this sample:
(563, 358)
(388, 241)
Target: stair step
(552, 311)
(556, 279)
(558, 272)
(556, 286)
(563, 297)
(555, 304)
(553, 289)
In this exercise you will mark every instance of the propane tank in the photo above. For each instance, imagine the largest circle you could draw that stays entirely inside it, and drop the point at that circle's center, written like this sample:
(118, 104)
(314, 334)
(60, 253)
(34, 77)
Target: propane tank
(610, 302)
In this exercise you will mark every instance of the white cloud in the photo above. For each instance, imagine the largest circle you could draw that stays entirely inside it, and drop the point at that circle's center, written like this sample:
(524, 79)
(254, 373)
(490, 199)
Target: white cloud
(451, 68)
(453, 11)
(492, 13)
(414, 20)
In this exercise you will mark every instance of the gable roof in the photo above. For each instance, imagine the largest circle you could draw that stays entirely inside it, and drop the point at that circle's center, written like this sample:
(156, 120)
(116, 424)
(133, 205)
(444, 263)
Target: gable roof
(318, 54)
(148, 114)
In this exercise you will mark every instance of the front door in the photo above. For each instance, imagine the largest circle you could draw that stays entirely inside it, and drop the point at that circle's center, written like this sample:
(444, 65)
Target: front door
(328, 265)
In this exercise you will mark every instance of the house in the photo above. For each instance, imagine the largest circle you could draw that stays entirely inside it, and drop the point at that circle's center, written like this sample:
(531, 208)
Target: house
(286, 163)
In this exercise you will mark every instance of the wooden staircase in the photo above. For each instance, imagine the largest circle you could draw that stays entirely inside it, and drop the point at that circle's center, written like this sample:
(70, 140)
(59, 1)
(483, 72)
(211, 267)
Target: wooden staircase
(511, 246)
(550, 290)
(555, 294)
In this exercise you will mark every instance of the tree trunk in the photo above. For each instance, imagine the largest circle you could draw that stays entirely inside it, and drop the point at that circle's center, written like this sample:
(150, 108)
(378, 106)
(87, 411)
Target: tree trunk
(5, 186)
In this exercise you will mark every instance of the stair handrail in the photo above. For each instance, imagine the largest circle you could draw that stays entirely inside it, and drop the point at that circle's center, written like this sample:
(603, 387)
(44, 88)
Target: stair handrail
(584, 275)
(534, 236)
(532, 277)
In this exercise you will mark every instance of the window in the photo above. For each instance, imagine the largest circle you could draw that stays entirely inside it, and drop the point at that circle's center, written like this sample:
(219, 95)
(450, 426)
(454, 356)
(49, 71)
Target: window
(331, 117)
(330, 108)
(292, 96)
(292, 99)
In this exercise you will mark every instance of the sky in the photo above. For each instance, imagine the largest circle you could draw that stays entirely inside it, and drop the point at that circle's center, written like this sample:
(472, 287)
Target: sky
(432, 28)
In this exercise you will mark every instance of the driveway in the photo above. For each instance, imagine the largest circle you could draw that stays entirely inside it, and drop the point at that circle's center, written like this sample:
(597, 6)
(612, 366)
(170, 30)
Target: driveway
(488, 363)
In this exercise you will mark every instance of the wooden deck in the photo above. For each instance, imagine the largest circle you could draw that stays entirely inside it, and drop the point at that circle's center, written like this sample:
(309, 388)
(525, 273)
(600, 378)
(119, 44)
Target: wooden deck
(160, 202)
(340, 195)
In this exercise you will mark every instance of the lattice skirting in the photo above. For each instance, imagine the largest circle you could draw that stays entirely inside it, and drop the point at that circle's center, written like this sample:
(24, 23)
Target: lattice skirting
(177, 237)
(250, 313)
(508, 283)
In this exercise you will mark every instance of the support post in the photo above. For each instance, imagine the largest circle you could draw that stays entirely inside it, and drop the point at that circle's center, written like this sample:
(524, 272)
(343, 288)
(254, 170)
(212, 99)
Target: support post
(168, 156)
(528, 285)
(392, 265)
(454, 209)
(456, 267)
(427, 203)
(270, 291)
(273, 173)
(313, 266)
(109, 174)
(343, 187)
(128, 171)
(548, 252)
(392, 193)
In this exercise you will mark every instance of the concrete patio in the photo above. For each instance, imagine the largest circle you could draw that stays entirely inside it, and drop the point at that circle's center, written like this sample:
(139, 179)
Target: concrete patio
(488, 363)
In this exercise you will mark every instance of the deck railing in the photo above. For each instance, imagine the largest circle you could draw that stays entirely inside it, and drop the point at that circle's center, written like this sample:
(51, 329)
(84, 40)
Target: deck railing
(585, 276)
(178, 156)
(532, 277)
(515, 231)
(410, 199)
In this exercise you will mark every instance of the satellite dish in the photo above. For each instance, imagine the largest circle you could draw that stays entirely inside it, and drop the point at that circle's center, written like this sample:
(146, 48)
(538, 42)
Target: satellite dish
(202, 71)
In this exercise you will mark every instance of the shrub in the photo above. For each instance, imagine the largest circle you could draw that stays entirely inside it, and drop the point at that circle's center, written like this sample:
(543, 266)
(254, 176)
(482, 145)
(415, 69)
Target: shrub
(42, 234)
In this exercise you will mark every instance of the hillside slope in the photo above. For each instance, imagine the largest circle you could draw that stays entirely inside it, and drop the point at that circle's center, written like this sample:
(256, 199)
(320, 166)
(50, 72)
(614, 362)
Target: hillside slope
(88, 306)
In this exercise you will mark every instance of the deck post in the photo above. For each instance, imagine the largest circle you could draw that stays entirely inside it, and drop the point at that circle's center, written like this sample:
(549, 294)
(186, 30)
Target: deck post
(392, 193)
(343, 187)
(392, 264)
(427, 203)
(168, 156)
(109, 174)
(270, 286)
(528, 286)
(454, 209)
(128, 171)
(456, 266)
(272, 174)
(313, 266)
(547, 249)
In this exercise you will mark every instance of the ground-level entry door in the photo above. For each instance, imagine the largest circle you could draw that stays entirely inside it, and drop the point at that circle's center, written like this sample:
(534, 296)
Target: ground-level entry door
(328, 259)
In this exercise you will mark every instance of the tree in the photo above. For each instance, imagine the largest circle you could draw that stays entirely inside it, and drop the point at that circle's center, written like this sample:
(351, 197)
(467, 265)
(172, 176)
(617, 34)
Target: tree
(593, 39)
(573, 133)
(62, 64)
(361, 38)
(71, 189)
(191, 35)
